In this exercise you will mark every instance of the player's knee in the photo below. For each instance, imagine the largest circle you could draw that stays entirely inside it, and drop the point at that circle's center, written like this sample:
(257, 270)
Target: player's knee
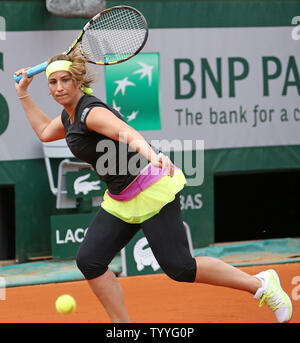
(88, 267)
(186, 275)
(183, 273)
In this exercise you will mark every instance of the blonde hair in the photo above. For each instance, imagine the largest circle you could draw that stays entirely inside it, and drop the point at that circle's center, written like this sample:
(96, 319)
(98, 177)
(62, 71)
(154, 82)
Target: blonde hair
(79, 69)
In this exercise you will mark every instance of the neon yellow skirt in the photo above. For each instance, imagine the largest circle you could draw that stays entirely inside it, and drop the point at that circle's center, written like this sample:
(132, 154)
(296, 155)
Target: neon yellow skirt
(148, 202)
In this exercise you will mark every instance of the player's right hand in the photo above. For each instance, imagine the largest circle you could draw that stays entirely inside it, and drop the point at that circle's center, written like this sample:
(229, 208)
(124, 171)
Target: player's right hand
(22, 86)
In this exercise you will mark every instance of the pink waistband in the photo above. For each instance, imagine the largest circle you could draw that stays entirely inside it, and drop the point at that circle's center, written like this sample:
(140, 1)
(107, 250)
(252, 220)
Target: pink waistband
(147, 177)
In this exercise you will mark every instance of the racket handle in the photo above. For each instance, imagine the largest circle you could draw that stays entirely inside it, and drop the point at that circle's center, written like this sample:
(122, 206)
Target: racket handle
(32, 71)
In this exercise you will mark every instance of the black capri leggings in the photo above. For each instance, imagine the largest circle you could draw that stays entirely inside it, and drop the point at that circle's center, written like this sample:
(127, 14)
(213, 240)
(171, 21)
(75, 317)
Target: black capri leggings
(165, 233)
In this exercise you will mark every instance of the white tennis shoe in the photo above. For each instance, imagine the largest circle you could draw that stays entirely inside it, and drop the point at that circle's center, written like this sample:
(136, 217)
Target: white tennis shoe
(273, 295)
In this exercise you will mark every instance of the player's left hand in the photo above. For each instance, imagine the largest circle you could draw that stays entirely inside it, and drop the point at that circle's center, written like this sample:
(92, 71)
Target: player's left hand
(165, 164)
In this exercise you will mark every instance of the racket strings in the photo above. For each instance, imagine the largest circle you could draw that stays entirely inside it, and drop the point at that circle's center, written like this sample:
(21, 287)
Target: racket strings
(114, 36)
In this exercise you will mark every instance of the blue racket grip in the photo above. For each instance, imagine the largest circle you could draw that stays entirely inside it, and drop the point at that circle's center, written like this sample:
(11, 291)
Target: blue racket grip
(32, 71)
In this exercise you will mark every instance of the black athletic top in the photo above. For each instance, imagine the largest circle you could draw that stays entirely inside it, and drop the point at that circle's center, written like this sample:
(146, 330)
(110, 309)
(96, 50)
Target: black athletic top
(108, 157)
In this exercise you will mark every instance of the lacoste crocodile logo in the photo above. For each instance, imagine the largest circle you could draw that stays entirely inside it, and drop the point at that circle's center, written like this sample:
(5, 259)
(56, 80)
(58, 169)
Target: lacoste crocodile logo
(82, 186)
(144, 257)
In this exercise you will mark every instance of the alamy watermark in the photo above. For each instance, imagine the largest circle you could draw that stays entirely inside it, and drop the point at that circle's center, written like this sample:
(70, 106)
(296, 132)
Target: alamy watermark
(2, 28)
(2, 288)
(296, 30)
(296, 290)
(120, 158)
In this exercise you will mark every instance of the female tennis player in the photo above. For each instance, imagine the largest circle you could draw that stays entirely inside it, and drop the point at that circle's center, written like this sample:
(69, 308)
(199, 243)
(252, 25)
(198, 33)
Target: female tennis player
(142, 193)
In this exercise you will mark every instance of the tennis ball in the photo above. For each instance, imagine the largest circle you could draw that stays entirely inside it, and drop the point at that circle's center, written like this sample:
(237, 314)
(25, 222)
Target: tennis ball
(65, 304)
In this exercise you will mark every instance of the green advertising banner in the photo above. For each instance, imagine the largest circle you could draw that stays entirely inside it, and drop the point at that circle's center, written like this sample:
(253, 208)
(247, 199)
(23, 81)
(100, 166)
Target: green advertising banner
(67, 232)
(133, 89)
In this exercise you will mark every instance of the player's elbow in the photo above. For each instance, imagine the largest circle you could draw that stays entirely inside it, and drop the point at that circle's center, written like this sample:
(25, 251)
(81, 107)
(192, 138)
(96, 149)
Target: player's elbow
(44, 137)
(50, 135)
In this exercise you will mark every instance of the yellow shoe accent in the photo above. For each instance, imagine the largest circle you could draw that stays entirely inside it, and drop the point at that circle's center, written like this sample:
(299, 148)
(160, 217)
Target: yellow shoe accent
(274, 296)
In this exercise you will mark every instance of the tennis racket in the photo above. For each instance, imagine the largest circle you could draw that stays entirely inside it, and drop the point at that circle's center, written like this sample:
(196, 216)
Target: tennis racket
(110, 37)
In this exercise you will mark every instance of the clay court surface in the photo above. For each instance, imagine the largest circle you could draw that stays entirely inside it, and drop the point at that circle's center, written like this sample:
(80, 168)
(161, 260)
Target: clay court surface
(151, 299)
